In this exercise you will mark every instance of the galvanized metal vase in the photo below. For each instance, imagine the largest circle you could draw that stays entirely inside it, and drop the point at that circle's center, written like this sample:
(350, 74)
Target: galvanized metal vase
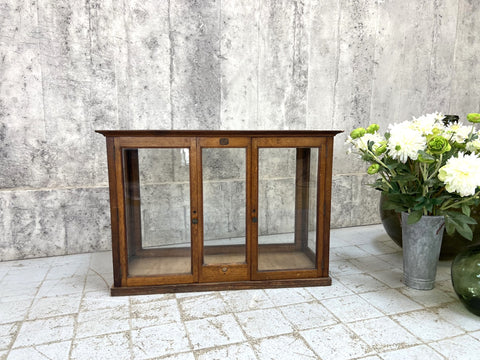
(421, 249)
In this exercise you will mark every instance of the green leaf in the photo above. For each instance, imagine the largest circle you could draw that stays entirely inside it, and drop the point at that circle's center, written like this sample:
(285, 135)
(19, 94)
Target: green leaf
(404, 177)
(463, 219)
(450, 227)
(457, 220)
(465, 231)
(466, 209)
(414, 216)
(425, 157)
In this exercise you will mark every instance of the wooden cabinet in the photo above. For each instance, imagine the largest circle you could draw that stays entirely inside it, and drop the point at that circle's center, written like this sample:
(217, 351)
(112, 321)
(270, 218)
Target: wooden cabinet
(209, 210)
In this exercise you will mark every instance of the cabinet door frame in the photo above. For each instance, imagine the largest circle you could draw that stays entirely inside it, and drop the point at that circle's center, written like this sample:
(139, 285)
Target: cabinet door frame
(224, 272)
(200, 274)
(322, 243)
(120, 249)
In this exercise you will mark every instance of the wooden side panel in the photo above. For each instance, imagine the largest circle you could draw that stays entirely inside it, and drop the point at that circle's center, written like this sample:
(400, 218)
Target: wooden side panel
(120, 195)
(112, 182)
(302, 187)
(325, 167)
(132, 202)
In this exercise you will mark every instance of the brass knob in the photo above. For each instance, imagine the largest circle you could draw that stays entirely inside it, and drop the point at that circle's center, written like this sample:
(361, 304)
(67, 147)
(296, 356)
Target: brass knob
(224, 269)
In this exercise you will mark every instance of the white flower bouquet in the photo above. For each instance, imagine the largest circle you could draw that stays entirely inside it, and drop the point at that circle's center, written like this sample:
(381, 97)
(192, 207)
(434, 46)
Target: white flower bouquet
(429, 165)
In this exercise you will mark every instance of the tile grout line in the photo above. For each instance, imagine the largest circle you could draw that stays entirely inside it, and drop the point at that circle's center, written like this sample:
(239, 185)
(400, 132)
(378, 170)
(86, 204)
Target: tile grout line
(77, 315)
(130, 332)
(248, 339)
(436, 351)
(297, 332)
(25, 318)
(182, 321)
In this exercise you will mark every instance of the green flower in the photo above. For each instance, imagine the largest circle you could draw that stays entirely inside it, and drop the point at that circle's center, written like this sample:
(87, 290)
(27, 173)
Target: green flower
(473, 117)
(358, 133)
(438, 145)
(373, 169)
(371, 129)
(381, 149)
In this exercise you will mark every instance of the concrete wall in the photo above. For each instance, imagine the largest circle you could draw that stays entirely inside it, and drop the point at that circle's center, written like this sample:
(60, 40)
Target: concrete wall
(70, 67)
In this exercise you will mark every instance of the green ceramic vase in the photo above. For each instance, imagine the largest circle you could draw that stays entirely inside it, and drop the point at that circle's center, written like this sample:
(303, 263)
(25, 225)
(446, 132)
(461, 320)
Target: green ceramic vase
(466, 278)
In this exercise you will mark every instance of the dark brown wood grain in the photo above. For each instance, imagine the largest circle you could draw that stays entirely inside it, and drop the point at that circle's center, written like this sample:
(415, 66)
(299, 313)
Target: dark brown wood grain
(217, 133)
(117, 269)
(233, 285)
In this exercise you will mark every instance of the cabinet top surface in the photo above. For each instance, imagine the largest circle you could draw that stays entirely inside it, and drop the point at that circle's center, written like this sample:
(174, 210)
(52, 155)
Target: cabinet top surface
(216, 133)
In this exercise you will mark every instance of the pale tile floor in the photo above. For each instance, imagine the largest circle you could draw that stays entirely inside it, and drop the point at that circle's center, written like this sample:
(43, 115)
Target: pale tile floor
(60, 308)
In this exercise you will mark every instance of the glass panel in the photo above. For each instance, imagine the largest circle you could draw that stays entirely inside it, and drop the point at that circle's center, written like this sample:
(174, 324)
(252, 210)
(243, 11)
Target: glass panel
(287, 202)
(157, 202)
(224, 204)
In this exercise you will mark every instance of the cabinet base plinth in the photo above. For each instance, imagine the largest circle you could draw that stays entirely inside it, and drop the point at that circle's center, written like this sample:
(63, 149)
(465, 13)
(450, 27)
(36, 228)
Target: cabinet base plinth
(236, 285)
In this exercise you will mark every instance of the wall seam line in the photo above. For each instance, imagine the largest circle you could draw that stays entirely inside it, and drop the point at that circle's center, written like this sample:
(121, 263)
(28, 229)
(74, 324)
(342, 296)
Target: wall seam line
(454, 58)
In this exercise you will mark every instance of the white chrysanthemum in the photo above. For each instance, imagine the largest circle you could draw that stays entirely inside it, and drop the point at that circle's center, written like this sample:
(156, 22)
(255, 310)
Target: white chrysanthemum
(352, 146)
(362, 142)
(427, 123)
(461, 174)
(473, 146)
(405, 142)
(459, 131)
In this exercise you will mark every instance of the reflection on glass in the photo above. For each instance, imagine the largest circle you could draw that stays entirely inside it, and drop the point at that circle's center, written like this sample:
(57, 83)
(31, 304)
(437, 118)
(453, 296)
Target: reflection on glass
(287, 190)
(157, 199)
(224, 203)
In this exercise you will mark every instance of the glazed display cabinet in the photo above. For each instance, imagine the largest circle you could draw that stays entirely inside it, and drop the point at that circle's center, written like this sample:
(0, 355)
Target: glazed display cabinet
(210, 210)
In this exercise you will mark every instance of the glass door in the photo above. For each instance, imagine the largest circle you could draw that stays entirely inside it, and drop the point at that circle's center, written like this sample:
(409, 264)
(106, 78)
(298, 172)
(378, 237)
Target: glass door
(160, 211)
(286, 209)
(224, 192)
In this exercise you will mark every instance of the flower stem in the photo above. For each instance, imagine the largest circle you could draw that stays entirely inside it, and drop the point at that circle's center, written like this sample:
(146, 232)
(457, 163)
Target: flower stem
(451, 202)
